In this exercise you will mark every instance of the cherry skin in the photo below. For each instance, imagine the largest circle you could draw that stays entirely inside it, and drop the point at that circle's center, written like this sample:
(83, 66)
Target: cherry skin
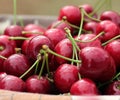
(16, 64)
(113, 49)
(14, 30)
(72, 13)
(84, 86)
(7, 48)
(35, 45)
(55, 35)
(91, 26)
(113, 88)
(13, 83)
(2, 75)
(111, 15)
(65, 76)
(61, 25)
(87, 37)
(97, 64)
(110, 28)
(63, 48)
(34, 84)
(34, 29)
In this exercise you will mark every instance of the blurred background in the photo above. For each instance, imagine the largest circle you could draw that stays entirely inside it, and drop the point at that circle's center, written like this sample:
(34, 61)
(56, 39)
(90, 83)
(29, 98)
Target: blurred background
(47, 7)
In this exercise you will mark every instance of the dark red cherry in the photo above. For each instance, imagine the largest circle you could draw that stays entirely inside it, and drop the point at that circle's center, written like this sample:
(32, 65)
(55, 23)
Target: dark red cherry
(111, 15)
(109, 28)
(55, 35)
(72, 13)
(12, 83)
(97, 64)
(34, 84)
(113, 88)
(65, 76)
(16, 64)
(84, 87)
(63, 48)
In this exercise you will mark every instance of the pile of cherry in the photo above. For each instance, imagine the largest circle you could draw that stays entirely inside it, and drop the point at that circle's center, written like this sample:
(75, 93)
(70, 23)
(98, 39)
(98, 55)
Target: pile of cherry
(78, 54)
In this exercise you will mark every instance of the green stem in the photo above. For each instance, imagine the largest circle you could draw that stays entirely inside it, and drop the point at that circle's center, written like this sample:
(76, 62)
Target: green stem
(116, 37)
(18, 38)
(47, 65)
(46, 48)
(42, 67)
(14, 11)
(26, 32)
(30, 68)
(91, 39)
(2, 57)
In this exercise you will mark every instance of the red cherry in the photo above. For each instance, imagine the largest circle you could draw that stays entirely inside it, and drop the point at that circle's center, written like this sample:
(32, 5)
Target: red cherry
(7, 48)
(97, 64)
(113, 49)
(13, 83)
(16, 64)
(33, 28)
(113, 88)
(111, 15)
(65, 76)
(84, 87)
(91, 26)
(110, 28)
(35, 44)
(14, 30)
(2, 75)
(35, 84)
(63, 48)
(88, 37)
(72, 14)
(55, 35)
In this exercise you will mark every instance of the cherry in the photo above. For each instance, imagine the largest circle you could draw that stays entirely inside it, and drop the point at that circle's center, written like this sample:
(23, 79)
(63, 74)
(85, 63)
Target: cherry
(13, 83)
(72, 13)
(85, 41)
(33, 30)
(110, 28)
(97, 64)
(35, 44)
(111, 15)
(55, 35)
(65, 76)
(35, 84)
(59, 24)
(16, 64)
(113, 88)
(7, 48)
(113, 49)
(84, 86)
(91, 26)
(64, 48)
(14, 30)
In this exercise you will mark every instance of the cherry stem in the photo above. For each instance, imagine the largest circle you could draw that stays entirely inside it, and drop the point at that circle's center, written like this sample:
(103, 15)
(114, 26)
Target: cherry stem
(14, 10)
(88, 15)
(42, 67)
(1, 48)
(81, 23)
(47, 66)
(38, 59)
(91, 39)
(26, 32)
(56, 24)
(116, 37)
(46, 48)
(18, 38)
(2, 57)
(99, 5)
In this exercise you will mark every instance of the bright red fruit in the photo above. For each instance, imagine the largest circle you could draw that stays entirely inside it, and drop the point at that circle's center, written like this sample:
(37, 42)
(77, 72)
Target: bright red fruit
(16, 64)
(35, 84)
(65, 76)
(84, 86)
(13, 83)
(97, 64)
(72, 13)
